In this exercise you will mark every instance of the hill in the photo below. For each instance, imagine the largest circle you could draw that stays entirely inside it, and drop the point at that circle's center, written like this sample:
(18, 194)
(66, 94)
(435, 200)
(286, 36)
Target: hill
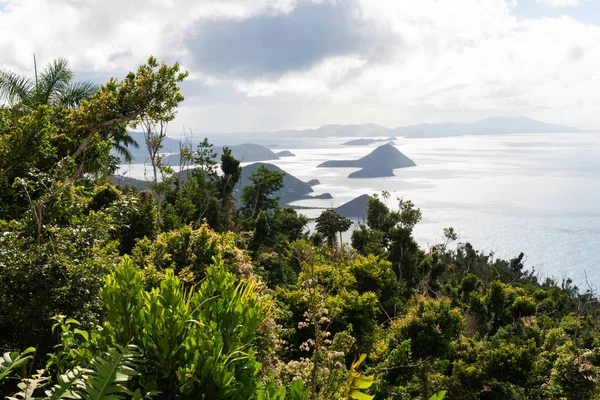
(494, 125)
(249, 152)
(124, 181)
(355, 208)
(490, 126)
(379, 163)
(246, 152)
(293, 188)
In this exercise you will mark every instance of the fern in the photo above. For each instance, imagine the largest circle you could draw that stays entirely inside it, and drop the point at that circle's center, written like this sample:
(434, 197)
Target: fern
(110, 374)
(69, 385)
(11, 361)
(28, 386)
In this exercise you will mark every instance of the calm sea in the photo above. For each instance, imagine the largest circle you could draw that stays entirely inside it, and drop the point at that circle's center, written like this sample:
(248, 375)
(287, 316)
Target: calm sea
(536, 193)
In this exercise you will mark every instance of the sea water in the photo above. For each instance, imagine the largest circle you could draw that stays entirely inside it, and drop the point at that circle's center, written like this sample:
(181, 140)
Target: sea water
(533, 193)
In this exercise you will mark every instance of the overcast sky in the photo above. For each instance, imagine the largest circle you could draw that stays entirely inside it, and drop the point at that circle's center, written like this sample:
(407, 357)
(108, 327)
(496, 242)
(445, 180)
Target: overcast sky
(262, 65)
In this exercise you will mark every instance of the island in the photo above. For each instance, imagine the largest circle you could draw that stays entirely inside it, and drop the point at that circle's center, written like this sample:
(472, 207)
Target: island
(365, 142)
(355, 208)
(246, 152)
(285, 153)
(381, 162)
(293, 188)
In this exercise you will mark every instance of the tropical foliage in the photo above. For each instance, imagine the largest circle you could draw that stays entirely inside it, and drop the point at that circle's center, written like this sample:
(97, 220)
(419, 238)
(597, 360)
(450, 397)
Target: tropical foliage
(182, 291)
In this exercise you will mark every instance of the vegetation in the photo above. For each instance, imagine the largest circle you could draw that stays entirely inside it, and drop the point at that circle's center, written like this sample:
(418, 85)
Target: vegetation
(177, 293)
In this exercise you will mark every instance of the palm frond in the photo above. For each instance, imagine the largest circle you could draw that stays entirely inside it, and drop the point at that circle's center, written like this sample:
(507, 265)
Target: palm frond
(9, 362)
(123, 152)
(72, 95)
(15, 88)
(55, 78)
(109, 374)
(121, 141)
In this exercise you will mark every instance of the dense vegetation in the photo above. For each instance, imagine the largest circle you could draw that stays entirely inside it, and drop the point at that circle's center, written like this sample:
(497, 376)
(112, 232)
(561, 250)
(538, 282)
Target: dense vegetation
(182, 292)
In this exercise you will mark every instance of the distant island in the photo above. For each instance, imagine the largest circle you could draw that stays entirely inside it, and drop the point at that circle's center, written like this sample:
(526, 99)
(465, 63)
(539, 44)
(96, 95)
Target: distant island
(285, 153)
(293, 188)
(355, 208)
(245, 152)
(489, 126)
(381, 162)
(365, 142)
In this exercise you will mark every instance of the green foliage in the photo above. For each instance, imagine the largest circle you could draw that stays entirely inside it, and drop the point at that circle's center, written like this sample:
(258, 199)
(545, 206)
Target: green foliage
(61, 275)
(53, 86)
(10, 361)
(389, 233)
(162, 303)
(296, 391)
(258, 196)
(188, 252)
(232, 172)
(110, 373)
(196, 342)
(432, 326)
(439, 395)
(357, 382)
(63, 144)
(330, 223)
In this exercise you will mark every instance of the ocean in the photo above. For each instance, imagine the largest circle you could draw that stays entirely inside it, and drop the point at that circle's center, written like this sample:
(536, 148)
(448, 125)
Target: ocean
(533, 193)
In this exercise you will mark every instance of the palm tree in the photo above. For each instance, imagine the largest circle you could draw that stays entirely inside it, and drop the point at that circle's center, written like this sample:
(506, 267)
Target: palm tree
(55, 87)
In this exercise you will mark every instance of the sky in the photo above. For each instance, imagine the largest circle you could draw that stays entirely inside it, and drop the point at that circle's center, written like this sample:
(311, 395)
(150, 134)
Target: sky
(265, 65)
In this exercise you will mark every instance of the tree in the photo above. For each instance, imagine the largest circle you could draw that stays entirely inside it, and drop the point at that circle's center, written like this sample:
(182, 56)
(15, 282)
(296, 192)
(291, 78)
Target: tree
(259, 196)
(63, 144)
(232, 172)
(154, 136)
(54, 86)
(329, 223)
(389, 233)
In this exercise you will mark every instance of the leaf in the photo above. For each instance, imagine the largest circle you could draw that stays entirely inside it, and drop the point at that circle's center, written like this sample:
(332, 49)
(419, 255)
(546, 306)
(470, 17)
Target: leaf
(356, 381)
(68, 385)
(298, 391)
(11, 361)
(29, 385)
(360, 395)
(110, 373)
(439, 395)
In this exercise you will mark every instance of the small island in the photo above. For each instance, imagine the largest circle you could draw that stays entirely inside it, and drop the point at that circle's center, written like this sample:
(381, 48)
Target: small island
(365, 142)
(285, 153)
(381, 162)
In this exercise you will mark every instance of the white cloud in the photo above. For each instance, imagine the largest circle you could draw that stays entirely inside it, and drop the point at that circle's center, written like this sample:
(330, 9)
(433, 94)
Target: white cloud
(559, 3)
(423, 61)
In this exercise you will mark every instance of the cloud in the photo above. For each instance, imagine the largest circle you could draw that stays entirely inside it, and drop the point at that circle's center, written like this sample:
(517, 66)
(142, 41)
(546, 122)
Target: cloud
(270, 45)
(270, 64)
(559, 3)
